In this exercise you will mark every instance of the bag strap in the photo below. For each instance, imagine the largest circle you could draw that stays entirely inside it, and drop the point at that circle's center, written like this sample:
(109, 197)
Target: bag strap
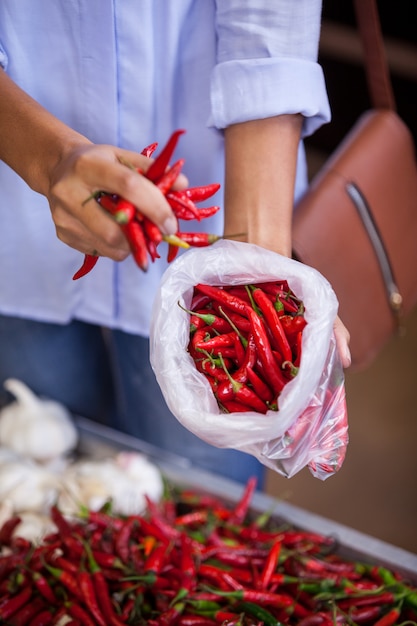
(376, 65)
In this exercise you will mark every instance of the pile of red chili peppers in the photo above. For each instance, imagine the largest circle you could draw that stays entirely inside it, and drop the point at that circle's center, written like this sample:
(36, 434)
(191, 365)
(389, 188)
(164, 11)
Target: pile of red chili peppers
(247, 341)
(142, 234)
(192, 560)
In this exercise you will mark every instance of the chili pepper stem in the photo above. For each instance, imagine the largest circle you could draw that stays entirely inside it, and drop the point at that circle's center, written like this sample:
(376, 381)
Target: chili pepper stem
(173, 240)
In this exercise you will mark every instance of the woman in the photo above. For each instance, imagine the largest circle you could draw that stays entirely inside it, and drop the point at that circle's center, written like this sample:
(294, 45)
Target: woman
(84, 87)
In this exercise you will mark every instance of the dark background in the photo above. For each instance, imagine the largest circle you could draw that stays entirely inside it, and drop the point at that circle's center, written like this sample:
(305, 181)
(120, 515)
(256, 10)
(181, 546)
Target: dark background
(345, 76)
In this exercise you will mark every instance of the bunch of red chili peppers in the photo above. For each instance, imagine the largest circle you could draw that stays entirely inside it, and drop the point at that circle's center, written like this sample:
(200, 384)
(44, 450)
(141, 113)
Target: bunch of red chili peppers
(247, 341)
(142, 234)
(192, 560)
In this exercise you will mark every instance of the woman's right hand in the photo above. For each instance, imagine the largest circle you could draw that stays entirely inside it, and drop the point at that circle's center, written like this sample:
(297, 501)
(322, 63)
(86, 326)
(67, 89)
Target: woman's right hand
(63, 165)
(88, 168)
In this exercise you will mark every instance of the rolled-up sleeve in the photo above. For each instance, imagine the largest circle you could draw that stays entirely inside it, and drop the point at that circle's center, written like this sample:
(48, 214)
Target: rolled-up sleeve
(267, 63)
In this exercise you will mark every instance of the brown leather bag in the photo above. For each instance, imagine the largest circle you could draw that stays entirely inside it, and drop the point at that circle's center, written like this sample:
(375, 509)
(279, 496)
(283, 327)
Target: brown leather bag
(357, 223)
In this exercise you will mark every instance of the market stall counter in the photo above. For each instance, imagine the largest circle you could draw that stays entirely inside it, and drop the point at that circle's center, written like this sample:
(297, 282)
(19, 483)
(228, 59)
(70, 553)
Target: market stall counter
(99, 441)
(175, 545)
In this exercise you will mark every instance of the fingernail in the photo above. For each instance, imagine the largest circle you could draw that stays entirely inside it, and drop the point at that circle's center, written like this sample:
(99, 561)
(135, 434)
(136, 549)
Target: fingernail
(170, 226)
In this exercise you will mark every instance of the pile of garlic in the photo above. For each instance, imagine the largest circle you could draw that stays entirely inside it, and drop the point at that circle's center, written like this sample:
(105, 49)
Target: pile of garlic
(37, 439)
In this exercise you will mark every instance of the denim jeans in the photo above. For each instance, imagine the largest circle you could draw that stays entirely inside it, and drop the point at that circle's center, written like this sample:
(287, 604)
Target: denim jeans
(105, 375)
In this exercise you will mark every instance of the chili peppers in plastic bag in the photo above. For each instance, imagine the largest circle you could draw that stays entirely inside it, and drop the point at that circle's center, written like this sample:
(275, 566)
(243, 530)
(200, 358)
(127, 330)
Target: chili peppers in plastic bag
(249, 359)
(310, 426)
(142, 234)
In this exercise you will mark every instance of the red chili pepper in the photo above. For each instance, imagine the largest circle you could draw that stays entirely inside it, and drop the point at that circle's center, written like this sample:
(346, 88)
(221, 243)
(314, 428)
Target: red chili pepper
(270, 565)
(59, 615)
(149, 150)
(262, 598)
(88, 593)
(74, 546)
(226, 352)
(64, 564)
(318, 619)
(241, 374)
(198, 320)
(365, 614)
(156, 559)
(274, 287)
(136, 238)
(198, 194)
(122, 210)
(149, 527)
(27, 612)
(81, 615)
(273, 321)
(219, 341)
(293, 325)
(158, 167)
(233, 406)
(8, 528)
(43, 586)
(242, 507)
(11, 604)
(104, 520)
(232, 390)
(195, 517)
(200, 301)
(122, 540)
(390, 618)
(200, 620)
(44, 618)
(198, 240)
(88, 264)
(273, 375)
(241, 323)
(182, 206)
(172, 252)
(298, 349)
(260, 387)
(289, 369)
(379, 598)
(185, 213)
(188, 565)
(151, 230)
(207, 366)
(63, 526)
(201, 317)
(169, 177)
(213, 574)
(200, 336)
(64, 577)
(239, 349)
(107, 560)
(223, 297)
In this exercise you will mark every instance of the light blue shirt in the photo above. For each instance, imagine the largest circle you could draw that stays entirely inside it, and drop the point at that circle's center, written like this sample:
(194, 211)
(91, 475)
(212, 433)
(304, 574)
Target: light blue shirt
(129, 72)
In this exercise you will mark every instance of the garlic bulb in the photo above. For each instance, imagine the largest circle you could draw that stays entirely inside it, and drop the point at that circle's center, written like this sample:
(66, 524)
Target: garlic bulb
(125, 480)
(27, 486)
(7, 455)
(37, 429)
(34, 526)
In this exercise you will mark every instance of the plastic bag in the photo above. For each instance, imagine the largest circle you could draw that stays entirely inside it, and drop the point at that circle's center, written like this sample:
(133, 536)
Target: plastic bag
(310, 427)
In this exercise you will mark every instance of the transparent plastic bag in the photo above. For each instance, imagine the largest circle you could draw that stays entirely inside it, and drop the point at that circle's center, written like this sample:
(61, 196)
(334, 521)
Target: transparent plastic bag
(310, 427)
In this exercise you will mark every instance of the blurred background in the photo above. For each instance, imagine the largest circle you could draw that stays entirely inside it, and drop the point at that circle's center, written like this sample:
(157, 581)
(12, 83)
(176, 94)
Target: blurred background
(375, 491)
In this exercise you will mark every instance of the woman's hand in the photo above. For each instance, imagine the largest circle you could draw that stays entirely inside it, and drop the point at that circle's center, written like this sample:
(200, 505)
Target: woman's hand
(67, 168)
(342, 337)
(261, 159)
(80, 222)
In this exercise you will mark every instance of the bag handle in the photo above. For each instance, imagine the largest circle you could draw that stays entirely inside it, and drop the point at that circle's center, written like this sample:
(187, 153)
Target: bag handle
(376, 65)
